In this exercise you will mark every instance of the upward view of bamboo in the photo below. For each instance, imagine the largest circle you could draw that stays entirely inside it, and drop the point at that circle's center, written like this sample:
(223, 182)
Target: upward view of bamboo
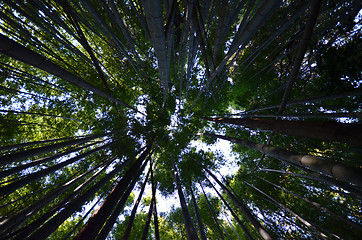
(94, 92)
(21, 145)
(18, 169)
(308, 224)
(155, 216)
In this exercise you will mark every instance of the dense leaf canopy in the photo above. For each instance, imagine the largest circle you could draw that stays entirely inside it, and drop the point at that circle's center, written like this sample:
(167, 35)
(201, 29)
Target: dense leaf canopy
(241, 116)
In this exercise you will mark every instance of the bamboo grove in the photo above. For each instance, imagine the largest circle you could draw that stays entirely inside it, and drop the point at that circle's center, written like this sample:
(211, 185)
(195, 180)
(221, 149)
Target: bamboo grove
(108, 106)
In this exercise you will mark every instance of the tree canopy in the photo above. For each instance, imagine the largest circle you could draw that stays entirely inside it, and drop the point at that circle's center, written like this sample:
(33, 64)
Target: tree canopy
(107, 106)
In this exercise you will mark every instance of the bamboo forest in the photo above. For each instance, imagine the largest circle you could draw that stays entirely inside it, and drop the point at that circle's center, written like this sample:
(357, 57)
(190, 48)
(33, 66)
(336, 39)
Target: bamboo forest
(180, 119)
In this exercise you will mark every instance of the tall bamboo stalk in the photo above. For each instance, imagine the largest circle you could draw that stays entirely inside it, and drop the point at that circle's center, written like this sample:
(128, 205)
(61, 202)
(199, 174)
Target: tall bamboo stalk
(326, 130)
(324, 165)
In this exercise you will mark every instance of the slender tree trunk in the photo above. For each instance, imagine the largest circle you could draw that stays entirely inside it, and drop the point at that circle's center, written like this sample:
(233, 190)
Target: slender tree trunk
(148, 220)
(354, 93)
(155, 218)
(303, 115)
(122, 25)
(198, 216)
(67, 9)
(38, 114)
(49, 227)
(190, 228)
(134, 210)
(353, 190)
(31, 95)
(232, 226)
(80, 222)
(324, 165)
(20, 156)
(8, 224)
(227, 234)
(307, 35)
(326, 130)
(7, 189)
(330, 212)
(27, 77)
(102, 235)
(26, 144)
(212, 213)
(17, 51)
(87, 47)
(260, 229)
(260, 17)
(17, 169)
(22, 197)
(309, 224)
(200, 39)
(242, 226)
(286, 219)
(154, 17)
(27, 230)
(99, 217)
(315, 176)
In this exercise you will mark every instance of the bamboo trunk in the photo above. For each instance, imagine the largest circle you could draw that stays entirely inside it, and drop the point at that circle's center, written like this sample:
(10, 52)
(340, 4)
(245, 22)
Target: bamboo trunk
(73, 205)
(261, 16)
(155, 218)
(19, 52)
(38, 114)
(307, 35)
(355, 93)
(325, 130)
(308, 224)
(324, 165)
(133, 213)
(217, 223)
(242, 226)
(248, 214)
(17, 169)
(352, 191)
(102, 235)
(99, 217)
(20, 156)
(26, 144)
(190, 228)
(148, 220)
(154, 17)
(198, 216)
(304, 115)
(18, 219)
(8, 189)
(330, 212)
